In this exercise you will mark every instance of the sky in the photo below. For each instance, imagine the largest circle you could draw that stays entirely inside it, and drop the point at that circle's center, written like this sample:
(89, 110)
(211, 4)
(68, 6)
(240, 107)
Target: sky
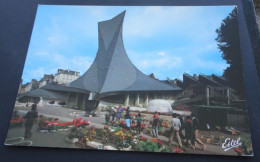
(166, 41)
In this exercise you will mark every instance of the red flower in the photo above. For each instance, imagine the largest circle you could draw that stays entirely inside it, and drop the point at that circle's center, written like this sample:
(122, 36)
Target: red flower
(13, 121)
(47, 121)
(85, 122)
(133, 114)
(154, 140)
(177, 150)
(76, 121)
(19, 120)
(160, 142)
(142, 138)
(238, 151)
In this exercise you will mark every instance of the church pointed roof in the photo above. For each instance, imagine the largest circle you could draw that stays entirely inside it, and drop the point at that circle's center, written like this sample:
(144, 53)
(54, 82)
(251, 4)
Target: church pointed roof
(112, 70)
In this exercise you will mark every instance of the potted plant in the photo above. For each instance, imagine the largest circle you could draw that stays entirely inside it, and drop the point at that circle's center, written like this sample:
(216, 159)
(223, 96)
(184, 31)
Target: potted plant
(72, 136)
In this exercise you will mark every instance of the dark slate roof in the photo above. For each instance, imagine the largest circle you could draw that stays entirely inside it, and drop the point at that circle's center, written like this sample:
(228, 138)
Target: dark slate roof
(112, 70)
(190, 77)
(169, 82)
(44, 93)
(219, 79)
(187, 80)
(208, 80)
(58, 87)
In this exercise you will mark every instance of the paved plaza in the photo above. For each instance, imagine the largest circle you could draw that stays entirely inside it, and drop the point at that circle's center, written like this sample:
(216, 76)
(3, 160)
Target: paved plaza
(57, 139)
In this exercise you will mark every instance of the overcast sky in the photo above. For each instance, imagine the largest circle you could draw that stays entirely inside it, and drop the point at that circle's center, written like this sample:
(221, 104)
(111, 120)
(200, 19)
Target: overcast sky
(166, 41)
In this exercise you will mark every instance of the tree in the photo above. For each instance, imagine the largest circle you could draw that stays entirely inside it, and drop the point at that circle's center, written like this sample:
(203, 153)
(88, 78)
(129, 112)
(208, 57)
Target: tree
(229, 44)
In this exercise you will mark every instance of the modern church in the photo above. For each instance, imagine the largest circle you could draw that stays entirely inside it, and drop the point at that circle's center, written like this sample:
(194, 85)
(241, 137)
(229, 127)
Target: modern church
(113, 78)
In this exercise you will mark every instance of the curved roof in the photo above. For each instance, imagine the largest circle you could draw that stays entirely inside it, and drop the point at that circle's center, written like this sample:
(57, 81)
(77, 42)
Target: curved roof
(112, 70)
(40, 92)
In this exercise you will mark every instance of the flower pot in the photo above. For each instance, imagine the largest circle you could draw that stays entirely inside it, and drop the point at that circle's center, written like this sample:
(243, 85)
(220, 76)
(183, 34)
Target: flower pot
(125, 149)
(108, 147)
(95, 145)
(72, 140)
(43, 131)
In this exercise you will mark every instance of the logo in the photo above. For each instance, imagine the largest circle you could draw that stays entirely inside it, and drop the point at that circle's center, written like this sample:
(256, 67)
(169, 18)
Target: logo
(231, 143)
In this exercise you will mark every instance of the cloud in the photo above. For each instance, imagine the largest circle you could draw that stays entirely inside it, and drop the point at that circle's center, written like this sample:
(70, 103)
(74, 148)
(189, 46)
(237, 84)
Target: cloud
(42, 54)
(153, 20)
(210, 65)
(51, 62)
(161, 53)
(163, 40)
(150, 61)
(56, 38)
(39, 72)
(77, 63)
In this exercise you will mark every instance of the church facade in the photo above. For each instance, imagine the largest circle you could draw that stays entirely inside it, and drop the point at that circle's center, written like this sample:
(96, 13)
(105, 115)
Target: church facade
(112, 78)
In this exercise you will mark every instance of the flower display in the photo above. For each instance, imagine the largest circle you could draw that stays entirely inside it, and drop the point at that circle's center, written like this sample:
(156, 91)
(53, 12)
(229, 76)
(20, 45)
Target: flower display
(152, 145)
(141, 138)
(16, 122)
(53, 124)
(177, 150)
(165, 124)
(143, 126)
(89, 134)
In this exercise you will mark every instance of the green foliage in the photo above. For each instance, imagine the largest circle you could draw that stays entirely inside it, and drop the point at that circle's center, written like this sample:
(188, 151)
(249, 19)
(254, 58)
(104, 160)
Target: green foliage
(247, 145)
(150, 146)
(73, 133)
(229, 44)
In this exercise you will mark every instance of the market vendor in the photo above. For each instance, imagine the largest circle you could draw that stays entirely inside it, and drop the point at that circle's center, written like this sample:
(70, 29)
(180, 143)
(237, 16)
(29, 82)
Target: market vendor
(128, 119)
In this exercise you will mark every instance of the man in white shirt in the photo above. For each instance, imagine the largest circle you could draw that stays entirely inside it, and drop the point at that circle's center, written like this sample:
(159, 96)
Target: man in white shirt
(176, 124)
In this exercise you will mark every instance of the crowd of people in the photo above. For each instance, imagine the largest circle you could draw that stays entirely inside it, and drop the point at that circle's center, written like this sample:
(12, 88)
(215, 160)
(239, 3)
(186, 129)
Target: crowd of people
(185, 131)
(116, 113)
(190, 126)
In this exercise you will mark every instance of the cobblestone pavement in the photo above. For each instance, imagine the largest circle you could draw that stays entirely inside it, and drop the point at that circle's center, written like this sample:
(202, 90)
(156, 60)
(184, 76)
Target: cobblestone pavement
(64, 114)
(38, 139)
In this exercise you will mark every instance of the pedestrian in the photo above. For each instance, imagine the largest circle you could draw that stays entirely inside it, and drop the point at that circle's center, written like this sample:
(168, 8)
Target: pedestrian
(139, 122)
(119, 113)
(155, 124)
(188, 131)
(107, 117)
(182, 126)
(176, 124)
(30, 119)
(195, 133)
(113, 113)
(128, 119)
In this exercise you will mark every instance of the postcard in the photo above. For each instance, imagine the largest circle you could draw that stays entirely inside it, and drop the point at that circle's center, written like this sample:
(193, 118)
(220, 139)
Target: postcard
(165, 79)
